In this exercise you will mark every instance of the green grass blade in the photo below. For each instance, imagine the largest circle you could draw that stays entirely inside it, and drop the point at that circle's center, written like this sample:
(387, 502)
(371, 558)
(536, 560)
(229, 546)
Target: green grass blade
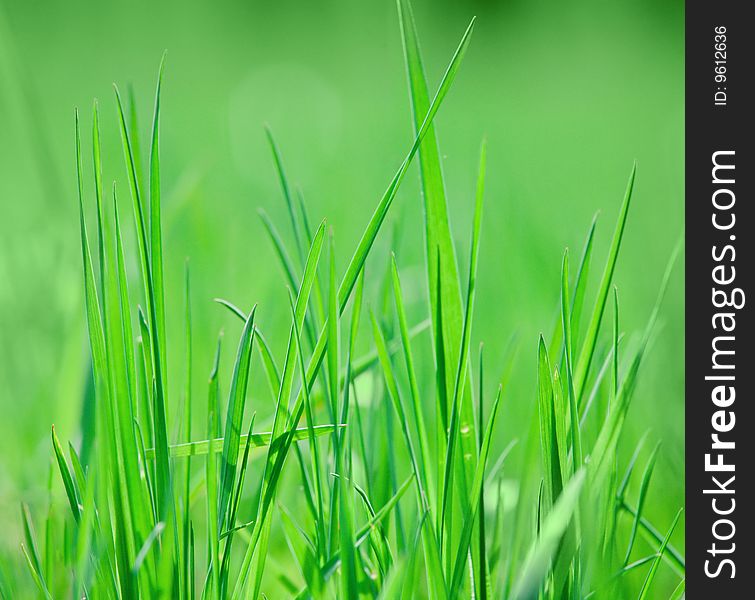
(470, 516)
(576, 437)
(650, 577)
(548, 430)
(457, 422)
(645, 483)
(234, 415)
(544, 548)
(295, 225)
(591, 338)
(31, 553)
(155, 220)
(313, 448)
(424, 452)
(65, 474)
(370, 233)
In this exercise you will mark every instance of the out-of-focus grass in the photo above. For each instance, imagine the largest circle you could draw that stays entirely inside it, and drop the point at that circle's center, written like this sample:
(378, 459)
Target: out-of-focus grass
(567, 96)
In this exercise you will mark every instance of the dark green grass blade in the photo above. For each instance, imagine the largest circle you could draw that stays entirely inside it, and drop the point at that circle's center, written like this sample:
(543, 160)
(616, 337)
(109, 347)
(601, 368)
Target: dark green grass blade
(591, 337)
(234, 415)
(65, 474)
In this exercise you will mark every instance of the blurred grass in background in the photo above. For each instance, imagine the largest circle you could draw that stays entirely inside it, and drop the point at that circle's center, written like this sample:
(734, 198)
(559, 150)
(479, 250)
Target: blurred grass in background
(567, 95)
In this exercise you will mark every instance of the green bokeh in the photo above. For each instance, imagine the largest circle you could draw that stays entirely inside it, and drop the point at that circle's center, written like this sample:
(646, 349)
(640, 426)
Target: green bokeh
(567, 93)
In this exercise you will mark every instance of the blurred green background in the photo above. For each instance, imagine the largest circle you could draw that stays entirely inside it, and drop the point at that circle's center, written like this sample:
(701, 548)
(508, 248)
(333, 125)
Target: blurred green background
(567, 93)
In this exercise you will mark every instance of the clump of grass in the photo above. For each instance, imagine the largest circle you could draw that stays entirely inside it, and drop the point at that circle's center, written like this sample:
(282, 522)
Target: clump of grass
(393, 491)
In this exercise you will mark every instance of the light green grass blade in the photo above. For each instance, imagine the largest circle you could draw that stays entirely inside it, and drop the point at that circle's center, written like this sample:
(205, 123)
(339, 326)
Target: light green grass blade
(65, 475)
(236, 498)
(419, 420)
(333, 382)
(544, 548)
(642, 495)
(295, 225)
(548, 437)
(470, 516)
(458, 423)
(234, 415)
(616, 338)
(212, 589)
(257, 440)
(187, 414)
(303, 551)
(650, 577)
(364, 532)
(164, 482)
(313, 448)
(280, 250)
(365, 243)
(276, 456)
(31, 553)
(588, 349)
(444, 280)
(155, 220)
(576, 437)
